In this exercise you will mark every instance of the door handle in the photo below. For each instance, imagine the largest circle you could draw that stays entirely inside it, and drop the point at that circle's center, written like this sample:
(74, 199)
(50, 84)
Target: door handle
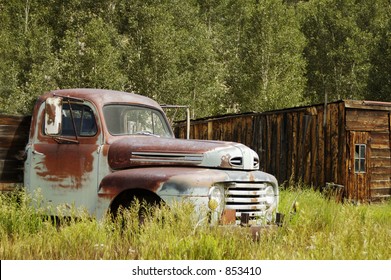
(37, 153)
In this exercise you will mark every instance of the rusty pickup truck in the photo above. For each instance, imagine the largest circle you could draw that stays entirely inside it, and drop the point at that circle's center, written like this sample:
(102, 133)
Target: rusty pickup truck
(102, 149)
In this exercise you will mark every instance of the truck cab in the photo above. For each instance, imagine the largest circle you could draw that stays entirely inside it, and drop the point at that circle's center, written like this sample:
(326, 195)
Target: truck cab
(98, 150)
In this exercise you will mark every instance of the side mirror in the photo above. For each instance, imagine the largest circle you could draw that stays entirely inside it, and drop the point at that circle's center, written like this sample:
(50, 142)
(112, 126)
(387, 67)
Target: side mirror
(53, 117)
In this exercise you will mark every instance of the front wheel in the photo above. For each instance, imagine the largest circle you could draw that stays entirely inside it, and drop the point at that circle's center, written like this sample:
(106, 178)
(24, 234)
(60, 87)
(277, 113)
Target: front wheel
(140, 208)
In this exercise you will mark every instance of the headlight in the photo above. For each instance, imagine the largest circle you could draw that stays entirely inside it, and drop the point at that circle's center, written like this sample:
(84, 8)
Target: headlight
(269, 195)
(216, 198)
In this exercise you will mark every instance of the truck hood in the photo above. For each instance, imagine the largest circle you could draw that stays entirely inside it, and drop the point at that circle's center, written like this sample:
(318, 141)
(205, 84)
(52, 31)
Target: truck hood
(136, 151)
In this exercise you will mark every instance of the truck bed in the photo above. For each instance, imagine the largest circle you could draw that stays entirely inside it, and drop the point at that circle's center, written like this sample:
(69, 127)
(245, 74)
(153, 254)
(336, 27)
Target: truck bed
(14, 131)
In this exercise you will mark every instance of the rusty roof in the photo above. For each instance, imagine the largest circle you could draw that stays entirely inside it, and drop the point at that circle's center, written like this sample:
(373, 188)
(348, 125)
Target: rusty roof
(103, 96)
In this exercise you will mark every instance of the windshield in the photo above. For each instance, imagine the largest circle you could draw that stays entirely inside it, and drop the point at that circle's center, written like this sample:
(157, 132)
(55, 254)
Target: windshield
(131, 119)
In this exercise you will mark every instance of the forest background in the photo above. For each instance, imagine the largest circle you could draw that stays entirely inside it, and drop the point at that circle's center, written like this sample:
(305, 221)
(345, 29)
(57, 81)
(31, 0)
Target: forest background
(218, 57)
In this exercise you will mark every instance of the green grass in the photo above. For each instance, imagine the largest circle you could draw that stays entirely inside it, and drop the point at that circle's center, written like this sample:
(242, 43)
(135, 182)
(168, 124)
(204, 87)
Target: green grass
(320, 229)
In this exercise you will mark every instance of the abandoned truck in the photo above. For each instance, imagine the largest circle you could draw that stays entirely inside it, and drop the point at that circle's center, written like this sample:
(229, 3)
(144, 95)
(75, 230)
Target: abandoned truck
(101, 149)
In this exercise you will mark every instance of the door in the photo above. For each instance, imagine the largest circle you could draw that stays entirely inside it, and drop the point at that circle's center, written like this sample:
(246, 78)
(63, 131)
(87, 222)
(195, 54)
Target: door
(65, 167)
(358, 188)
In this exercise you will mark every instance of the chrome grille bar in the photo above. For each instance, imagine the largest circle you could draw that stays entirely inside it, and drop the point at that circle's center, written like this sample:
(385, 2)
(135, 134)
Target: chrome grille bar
(247, 198)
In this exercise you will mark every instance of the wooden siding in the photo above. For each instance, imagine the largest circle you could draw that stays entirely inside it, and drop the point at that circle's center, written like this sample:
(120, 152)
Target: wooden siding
(374, 118)
(13, 139)
(294, 143)
(366, 120)
(311, 145)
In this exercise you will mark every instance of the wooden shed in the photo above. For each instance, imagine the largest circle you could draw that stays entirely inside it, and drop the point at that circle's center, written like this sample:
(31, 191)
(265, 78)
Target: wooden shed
(345, 143)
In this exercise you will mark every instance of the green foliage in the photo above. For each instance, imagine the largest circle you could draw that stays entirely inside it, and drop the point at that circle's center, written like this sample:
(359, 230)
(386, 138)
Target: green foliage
(171, 58)
(265, 63)
(340, 42)
(216, 56)
(90, 57)
(379, 84)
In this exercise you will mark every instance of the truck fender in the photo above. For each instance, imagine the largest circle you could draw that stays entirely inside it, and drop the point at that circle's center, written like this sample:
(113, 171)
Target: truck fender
(122, 187)
(156, 184)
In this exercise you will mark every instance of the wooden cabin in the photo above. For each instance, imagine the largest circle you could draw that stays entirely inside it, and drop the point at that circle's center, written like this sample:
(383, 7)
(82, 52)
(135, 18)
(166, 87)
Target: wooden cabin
(346, 144)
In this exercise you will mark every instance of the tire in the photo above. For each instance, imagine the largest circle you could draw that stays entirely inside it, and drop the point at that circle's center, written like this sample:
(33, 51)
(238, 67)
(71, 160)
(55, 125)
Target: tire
(145, 205)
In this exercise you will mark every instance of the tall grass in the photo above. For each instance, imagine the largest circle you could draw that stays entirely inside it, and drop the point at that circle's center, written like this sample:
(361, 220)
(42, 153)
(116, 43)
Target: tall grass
(319, 229)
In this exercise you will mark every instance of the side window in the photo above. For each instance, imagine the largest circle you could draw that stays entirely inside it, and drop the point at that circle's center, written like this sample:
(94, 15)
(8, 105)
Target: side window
(158, 124)
(359, 158)
(84, 119)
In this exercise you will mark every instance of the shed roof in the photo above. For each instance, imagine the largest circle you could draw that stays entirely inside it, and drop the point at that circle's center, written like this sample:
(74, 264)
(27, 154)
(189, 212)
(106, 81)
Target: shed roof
(369, 105)
(356, 104)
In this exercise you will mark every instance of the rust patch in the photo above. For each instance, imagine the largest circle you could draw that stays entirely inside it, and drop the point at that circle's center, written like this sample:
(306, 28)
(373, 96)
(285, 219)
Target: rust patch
(69, 165)
(105, 150)
(228, 217)
(122, 180)
(50, 112)
(225, 161)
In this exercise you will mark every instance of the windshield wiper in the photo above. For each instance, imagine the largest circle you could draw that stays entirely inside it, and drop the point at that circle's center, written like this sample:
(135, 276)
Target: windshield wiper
(64, 140)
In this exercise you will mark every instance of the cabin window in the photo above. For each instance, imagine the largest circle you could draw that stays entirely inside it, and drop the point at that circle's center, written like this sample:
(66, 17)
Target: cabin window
(359, 158)
(84, 119)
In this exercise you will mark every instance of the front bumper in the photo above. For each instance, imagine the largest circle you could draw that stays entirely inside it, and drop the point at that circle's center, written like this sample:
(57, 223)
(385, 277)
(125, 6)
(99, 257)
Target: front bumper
(255, 231)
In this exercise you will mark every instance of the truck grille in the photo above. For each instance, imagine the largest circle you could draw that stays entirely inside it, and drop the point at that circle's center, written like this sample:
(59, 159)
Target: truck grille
(249, 198)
